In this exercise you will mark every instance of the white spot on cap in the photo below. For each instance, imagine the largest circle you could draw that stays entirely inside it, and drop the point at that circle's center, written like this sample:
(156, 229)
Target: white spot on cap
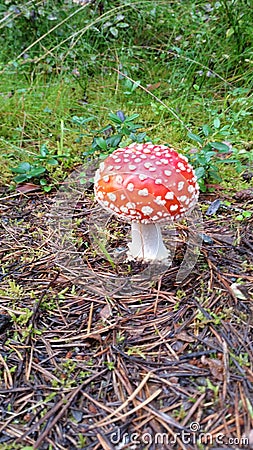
(152, 169)
(112, 196)
(169, 195)
(130, 187)
(137, 160)
(118, 160)
(124, 209)
(180, 185)
(131, 205)
(182, 198)
(119, 179)
(158, 200)
(147, 210)
(191, 189)
(146, 150)
(100, 195)
(97, 176)
(164, 161)
(142, 176)
(131, 167)
(168, 173)
(158, 163)
(158, 181)
(147, 165)
(106, 178)
(173, 207)
(181, 166)
(143, 192)
(123, 197)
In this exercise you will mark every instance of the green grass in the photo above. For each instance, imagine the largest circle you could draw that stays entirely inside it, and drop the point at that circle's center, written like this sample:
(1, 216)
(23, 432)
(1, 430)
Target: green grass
(85, 62)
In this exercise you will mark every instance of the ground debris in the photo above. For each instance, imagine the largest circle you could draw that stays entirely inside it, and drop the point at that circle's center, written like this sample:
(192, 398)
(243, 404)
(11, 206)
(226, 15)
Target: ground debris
(85, 362)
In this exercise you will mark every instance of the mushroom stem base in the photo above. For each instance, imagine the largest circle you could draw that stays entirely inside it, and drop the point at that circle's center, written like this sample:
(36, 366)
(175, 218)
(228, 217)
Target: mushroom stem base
(147, 243)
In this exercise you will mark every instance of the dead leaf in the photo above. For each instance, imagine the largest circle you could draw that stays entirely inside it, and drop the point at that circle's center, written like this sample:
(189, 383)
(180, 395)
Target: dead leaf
(92, 408)
(106, 312)
(216, 367)
(183, 336)
(152, 87)
(237, 291)
(27, 187)
(244, 194)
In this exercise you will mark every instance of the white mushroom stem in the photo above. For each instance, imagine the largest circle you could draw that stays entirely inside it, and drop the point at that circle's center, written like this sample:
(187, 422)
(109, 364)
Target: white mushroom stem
(147, 243)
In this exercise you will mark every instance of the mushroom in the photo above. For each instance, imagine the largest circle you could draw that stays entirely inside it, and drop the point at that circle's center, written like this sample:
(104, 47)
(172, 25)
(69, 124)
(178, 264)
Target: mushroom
(148, 185)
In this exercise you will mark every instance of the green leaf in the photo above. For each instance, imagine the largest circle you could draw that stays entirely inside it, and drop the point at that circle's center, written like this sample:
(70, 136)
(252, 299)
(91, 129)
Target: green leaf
(206, 130)
(133, 116)
(47, 188)
(116, 119)
(139, 137)
(216, 122)
(122, 25)
(107, 24)
(81, 120)
(52, 162)
(202, 185)
(207, 156)
(119, 17)
(114, 31)
(223, 148)
(23, 167)
(20, 178)
(36, 172)
(195, 137)
(113, 141)
(200, 172)
(43, 150)
(101, 143)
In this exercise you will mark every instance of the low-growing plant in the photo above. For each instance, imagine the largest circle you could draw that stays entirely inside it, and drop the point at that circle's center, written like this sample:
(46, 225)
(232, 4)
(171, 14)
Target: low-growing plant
(121, 129)
(213, 152)
(38, 169)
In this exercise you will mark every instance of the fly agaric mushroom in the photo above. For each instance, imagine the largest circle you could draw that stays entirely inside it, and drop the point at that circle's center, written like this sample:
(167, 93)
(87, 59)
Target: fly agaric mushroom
(147, 185)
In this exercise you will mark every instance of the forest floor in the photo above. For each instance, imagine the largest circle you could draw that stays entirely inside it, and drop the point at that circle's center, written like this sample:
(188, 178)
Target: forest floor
(93, 362)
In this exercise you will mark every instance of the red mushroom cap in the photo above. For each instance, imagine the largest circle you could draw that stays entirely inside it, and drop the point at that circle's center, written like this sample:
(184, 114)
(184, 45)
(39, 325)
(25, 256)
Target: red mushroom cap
(146, 183)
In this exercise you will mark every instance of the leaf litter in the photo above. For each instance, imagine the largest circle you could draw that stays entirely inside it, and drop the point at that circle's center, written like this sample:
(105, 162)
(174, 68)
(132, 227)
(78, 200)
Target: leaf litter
(83, 367)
